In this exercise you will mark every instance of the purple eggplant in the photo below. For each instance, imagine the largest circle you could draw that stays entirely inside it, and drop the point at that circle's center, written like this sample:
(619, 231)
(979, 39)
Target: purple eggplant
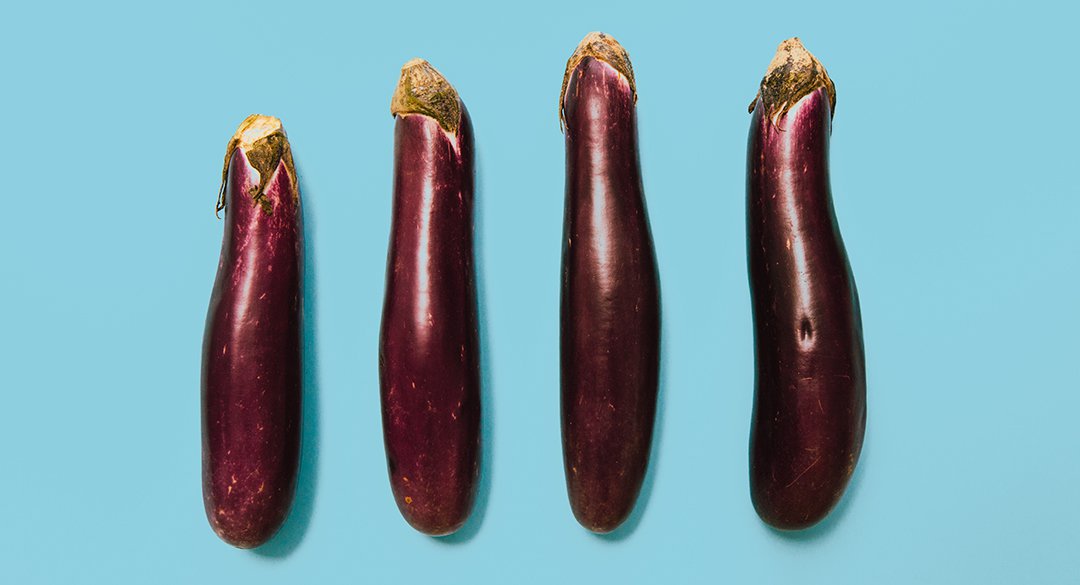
(810, 397)
(429, 356)
(610, 314)
(251, 374)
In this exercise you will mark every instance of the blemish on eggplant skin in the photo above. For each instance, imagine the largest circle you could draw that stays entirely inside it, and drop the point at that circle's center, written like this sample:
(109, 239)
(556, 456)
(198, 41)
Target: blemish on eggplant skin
(806, 330)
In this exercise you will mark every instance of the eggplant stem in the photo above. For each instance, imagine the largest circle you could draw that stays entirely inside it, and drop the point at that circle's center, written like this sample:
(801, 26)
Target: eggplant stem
(793, 74)
(264, 142)
(421, 89)
(602, 47)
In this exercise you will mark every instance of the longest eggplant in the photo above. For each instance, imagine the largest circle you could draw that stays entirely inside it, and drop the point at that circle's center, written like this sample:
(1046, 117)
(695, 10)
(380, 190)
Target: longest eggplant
(251, 376)
(810, 397)
(610, 315)
(428, 351)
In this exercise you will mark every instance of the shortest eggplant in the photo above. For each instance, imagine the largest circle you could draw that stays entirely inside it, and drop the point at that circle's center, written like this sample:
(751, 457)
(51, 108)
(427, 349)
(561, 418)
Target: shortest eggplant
(429, 356)
(251, 374)
(810, 396)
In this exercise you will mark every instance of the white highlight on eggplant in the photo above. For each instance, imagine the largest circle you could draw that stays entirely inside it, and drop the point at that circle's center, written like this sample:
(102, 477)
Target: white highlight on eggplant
(422, 311)
(601, 238)
(247, 255)
(245, 295)
(595, 111)
(796, 243)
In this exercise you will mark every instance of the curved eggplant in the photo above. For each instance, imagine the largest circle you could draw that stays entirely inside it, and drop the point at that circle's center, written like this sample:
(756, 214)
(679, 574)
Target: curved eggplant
(251, 374)
(610, 323)
(810, 397)
(429, 350)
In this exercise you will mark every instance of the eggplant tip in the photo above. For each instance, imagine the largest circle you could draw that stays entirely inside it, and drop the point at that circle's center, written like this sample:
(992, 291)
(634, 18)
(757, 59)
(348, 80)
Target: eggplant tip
(602, 47)
(793, 73)
(244, 539)
(601, 524)
(421, 89)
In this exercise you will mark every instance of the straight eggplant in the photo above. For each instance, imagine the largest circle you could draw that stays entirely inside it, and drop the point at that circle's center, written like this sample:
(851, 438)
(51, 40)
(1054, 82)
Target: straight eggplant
(429, 350)
(610, 315)
(251, 375)
(810, 397)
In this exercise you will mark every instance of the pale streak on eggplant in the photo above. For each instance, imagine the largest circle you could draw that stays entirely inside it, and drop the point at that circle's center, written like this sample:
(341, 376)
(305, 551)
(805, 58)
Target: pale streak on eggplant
(797, 244)
(422, 315)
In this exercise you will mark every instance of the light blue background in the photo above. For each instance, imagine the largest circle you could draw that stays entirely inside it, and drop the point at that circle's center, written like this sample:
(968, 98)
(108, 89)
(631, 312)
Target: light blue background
(954, 172)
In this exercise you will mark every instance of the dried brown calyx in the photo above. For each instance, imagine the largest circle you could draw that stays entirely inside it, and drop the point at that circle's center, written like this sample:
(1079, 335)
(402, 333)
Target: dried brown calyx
(423, 90)
(265, 144)
(792, 75)
(602, 47)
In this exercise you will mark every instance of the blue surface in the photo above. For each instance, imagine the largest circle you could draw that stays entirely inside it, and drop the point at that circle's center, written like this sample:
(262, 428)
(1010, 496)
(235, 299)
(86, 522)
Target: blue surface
(954, 173)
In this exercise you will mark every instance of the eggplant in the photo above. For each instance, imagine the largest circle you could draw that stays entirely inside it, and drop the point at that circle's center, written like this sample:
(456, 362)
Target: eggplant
(429, 356)
(809, 413)
(610, 308)
(252, 363)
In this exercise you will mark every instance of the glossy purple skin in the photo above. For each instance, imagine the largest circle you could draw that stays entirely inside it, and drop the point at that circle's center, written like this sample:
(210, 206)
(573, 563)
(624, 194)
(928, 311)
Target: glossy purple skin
(251, 376)
(810, 396)
(610, 325)
(429, 350)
